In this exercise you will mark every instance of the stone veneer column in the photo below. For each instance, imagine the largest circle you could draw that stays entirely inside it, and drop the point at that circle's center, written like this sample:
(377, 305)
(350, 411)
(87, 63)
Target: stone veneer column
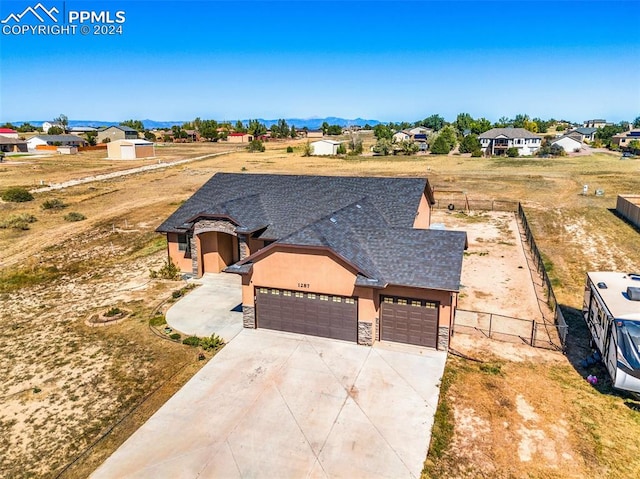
(243, 246)
(365, 333)
(248, 316)
(194, 255)
(443, 338)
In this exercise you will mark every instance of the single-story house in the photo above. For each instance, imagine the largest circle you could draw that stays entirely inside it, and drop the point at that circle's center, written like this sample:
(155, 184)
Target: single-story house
(315, 134)
(325, 147)
(13, 145)
(498, 140)
(586, 133)
(350, 258)
(130, 149)
(623, 139)
(568, 143)
(9, 133)
(239, 138)
(55, 140)
(116, 132)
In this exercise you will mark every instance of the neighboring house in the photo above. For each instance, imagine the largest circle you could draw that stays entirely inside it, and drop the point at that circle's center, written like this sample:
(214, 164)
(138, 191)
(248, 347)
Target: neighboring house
(498, 140)
(55, 140)
(116, 132)
(623, 139)
(587, 134)
(239, 138)
(9, 133)
(82, 130)
(595, 123)
(420, 130)
(315, 134)
(349, 258)
(192, 135)
(48, 124)
(325, 147)
(12, 145)
(130, 149)
(568, 143)
(401, 136)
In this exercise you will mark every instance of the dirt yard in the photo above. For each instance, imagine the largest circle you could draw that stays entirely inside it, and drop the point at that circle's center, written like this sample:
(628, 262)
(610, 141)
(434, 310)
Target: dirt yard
(73, 393)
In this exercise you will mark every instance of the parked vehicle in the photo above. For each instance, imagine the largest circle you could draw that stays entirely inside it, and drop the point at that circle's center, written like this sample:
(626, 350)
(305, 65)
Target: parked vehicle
(611, 310)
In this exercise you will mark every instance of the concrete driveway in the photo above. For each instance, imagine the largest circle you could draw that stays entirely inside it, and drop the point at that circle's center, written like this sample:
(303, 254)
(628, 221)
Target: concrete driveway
(274, 404)
(214, 307)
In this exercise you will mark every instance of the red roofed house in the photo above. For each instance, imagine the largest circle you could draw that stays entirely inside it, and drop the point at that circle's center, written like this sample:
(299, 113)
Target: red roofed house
(9, 133)
(239, 138)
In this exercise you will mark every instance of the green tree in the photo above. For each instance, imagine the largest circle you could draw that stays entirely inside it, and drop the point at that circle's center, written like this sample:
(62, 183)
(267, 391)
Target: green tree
(26, 128)
(381, 131)
(440, 146)
(449, 134)
(135, 124)
(408, 147)
(8, 125)
(531, 126)
(208, 129)
(334, 130)
(92, 137)
(307, 150)
(606, 133)
(325, 127)
(178, 132)
(256, 128)
(341, 149)
(512, 152)
(636, 122)
(355, 144)
(256, 146)
(469, 144)
(383, 146)
(285, 131)
(480, 125)
(293, 133)
(64, 121)
(520, 120)
(240, 128)
(463, 122)
(55, 130)
(149, 136)
(503, 122)
(634, 147)
(435, 122)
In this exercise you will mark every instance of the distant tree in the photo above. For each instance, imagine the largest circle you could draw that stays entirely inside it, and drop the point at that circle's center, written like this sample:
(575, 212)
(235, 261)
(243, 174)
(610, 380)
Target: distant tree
(519, 120)
(256, 146)
(383, 146)
(625, 125)
(92, 137)
(381, 131)
(293, 133)
(355, 144)
(307, 150)
(503, 122)
(634, 147)
(636, 122)
(463, 122)
(149, 136)
(239, 127)
(324, 127)
(530, 125)
(25, 128)
(512, 152)
(449, 135)
(408, 147)
(435, 122)
(208, 129)
(55, 130)
(469, 144)
(178, 132)
(64, 121)
(135, 124)
(606, 133)
(256, 128)
(334, 130)
(440, 146)
(560, 127)
(543, 126)
(368, 127)
(8, 125)
(480, 125)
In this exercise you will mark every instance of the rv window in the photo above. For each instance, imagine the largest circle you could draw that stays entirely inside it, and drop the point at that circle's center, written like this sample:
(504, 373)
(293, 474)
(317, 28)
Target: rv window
(629, 342)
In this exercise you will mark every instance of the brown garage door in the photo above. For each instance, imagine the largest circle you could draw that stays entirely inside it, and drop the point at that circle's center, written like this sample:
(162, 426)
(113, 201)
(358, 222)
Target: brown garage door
(307, 313)
(407, 320)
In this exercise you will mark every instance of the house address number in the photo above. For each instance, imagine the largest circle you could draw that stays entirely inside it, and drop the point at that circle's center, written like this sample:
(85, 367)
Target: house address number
(303, 285)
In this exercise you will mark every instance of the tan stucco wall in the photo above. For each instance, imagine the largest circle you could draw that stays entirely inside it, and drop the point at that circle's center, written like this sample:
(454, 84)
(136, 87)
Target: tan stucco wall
(303, 270)
(178, 257)
(240, 139)
(423, 218)
(217, 251)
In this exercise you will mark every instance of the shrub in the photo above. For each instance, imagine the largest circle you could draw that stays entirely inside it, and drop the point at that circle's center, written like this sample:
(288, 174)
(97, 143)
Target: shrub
(175, 336)
(341, 149)
(113, 312)
(53, 204)
(307, 150)
(74, 216)
(177, 294)
(191, 341)
(289, 149)
(476, 153)
(18, 222)
(213, 342)
(512, 152)
(256, 146)
(16, 195)
(157, 320)
(168, 271)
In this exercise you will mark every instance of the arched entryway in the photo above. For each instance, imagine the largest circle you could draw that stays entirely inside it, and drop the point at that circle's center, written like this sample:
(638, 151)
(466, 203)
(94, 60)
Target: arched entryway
(217, 251)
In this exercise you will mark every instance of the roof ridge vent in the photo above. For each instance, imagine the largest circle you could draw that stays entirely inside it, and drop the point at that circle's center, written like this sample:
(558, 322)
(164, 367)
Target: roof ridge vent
(633, 293)
(333, 220)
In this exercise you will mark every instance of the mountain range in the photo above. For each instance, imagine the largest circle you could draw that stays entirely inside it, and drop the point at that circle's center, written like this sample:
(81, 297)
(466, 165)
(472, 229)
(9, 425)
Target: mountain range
(311, 123)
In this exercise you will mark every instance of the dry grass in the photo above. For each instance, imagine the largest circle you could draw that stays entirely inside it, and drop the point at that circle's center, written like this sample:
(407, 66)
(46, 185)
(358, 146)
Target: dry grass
(57, 273)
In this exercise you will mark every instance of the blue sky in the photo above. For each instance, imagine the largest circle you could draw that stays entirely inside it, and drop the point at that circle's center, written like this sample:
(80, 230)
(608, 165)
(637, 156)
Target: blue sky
(391, 61)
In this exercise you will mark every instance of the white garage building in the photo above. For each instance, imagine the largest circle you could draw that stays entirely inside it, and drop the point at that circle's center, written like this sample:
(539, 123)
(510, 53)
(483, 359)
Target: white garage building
(568, 144)
(325, 147)
(130, 149)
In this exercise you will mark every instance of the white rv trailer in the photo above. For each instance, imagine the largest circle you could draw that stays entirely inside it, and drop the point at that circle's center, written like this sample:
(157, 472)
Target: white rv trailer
(611, 310)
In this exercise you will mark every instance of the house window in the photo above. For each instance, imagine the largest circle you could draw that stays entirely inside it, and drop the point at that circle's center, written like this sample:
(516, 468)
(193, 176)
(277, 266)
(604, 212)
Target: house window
(416, 304)
(430, 305)
(264, 290)
(184, 244)
(402, 301)
(388, 300)
(299, 294)
(275, 291)
(286, 293)
(311, 296)
(337, 299)
(350, 301)
(324, 297)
